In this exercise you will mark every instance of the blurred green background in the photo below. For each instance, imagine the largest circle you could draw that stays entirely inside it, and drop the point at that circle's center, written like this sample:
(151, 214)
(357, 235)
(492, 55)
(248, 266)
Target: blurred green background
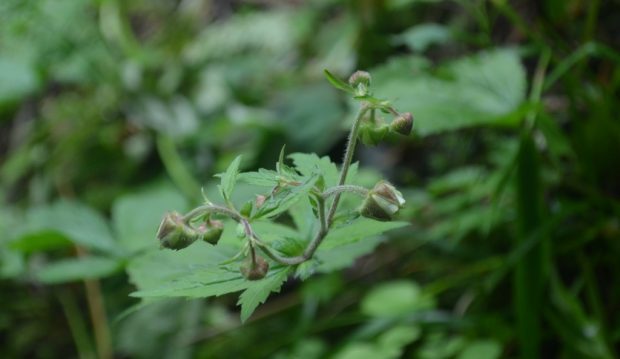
(112, 112)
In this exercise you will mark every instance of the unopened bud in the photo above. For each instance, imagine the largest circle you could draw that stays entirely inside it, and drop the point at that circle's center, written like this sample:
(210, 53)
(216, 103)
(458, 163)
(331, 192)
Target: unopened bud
(360, 81)
(359, 77)
(371, 134)
(254, 270)
(382, 202)
(211, 231)
(174, 233)
(260, 200)
(402, 124)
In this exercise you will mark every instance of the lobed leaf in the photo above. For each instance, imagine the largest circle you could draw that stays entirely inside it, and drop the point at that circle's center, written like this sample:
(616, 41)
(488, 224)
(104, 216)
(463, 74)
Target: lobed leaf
(229, 178)
(258, 291)
(338, 83)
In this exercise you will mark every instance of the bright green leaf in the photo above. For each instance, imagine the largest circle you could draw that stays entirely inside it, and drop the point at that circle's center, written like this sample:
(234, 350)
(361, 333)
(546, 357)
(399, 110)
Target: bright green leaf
(338, 83)
(259, 290)
(481, 349)
(356, 230)
(229, 178)
(486, 88)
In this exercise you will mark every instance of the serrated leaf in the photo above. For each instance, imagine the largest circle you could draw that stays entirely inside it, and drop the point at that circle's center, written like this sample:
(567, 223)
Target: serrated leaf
(338, 83)
(486, 88)
(304, 218)
(285, 198)
(259, 291)
(309, 163)
(356, 230)
(69, 270)
(165, 273)
(343, 256)
(229, 178)
(263, 177)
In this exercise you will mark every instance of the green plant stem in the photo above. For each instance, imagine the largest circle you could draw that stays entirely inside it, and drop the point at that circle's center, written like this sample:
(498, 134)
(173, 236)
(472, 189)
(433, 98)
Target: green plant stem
(358, 190)
(346, 163)
(211, 208)
(325, 221)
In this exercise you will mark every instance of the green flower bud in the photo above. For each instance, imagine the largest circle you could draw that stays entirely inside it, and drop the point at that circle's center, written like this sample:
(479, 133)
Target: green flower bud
(240, 231)
(382, 202)
(371, 135)
(402, 124)
(254, 270)
(174, 233)
(360, 81)
(211, 231)
(359, 77)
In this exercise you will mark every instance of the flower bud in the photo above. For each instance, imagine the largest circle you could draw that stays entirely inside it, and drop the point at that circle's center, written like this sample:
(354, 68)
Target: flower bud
(371, 135)
(359, 77)
(260, 200)
(402, 124)
(240, 231)
(254, 270)
(174, 233)
(211, 231)
(360, 81)
(382, 202)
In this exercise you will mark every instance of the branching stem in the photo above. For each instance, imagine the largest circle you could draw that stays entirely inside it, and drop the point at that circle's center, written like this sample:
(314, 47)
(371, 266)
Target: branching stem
(325, 221)
(358, 190)
(346, 163)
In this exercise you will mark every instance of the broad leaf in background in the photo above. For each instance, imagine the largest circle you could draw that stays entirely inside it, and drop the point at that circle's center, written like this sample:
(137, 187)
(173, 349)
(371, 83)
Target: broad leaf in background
(68, 270)
(485, 88)
(76, 222)
(397, 298)
(422, 36)
(136, 216)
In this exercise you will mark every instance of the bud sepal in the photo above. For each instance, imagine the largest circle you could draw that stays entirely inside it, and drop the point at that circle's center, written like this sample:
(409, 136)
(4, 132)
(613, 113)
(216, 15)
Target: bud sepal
(382, 202)
(174, 233)
(254, 269)
(402, 124)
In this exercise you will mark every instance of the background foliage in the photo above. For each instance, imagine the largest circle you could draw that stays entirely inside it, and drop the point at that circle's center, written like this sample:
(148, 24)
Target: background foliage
(113, 112)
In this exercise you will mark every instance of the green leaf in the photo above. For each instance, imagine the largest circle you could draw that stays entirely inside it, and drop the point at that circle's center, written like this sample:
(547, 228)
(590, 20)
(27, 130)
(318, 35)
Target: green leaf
(229, 178)
(259, 290)
(69, 270)
(338, 83)
(265, 178)
(481, 349)
(136, 216)
(343, 256)
(78, 223)
(356, 230)
(309, 164)
(395, 299)
(284, 199)
(18, 79)
(193, 272)
(422, 36)
(487, 88)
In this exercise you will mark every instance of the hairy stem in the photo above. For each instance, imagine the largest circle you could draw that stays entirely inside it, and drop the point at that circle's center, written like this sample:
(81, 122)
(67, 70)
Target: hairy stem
(358, 190)
(325, 221)
(346, 163)
(212, 208)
